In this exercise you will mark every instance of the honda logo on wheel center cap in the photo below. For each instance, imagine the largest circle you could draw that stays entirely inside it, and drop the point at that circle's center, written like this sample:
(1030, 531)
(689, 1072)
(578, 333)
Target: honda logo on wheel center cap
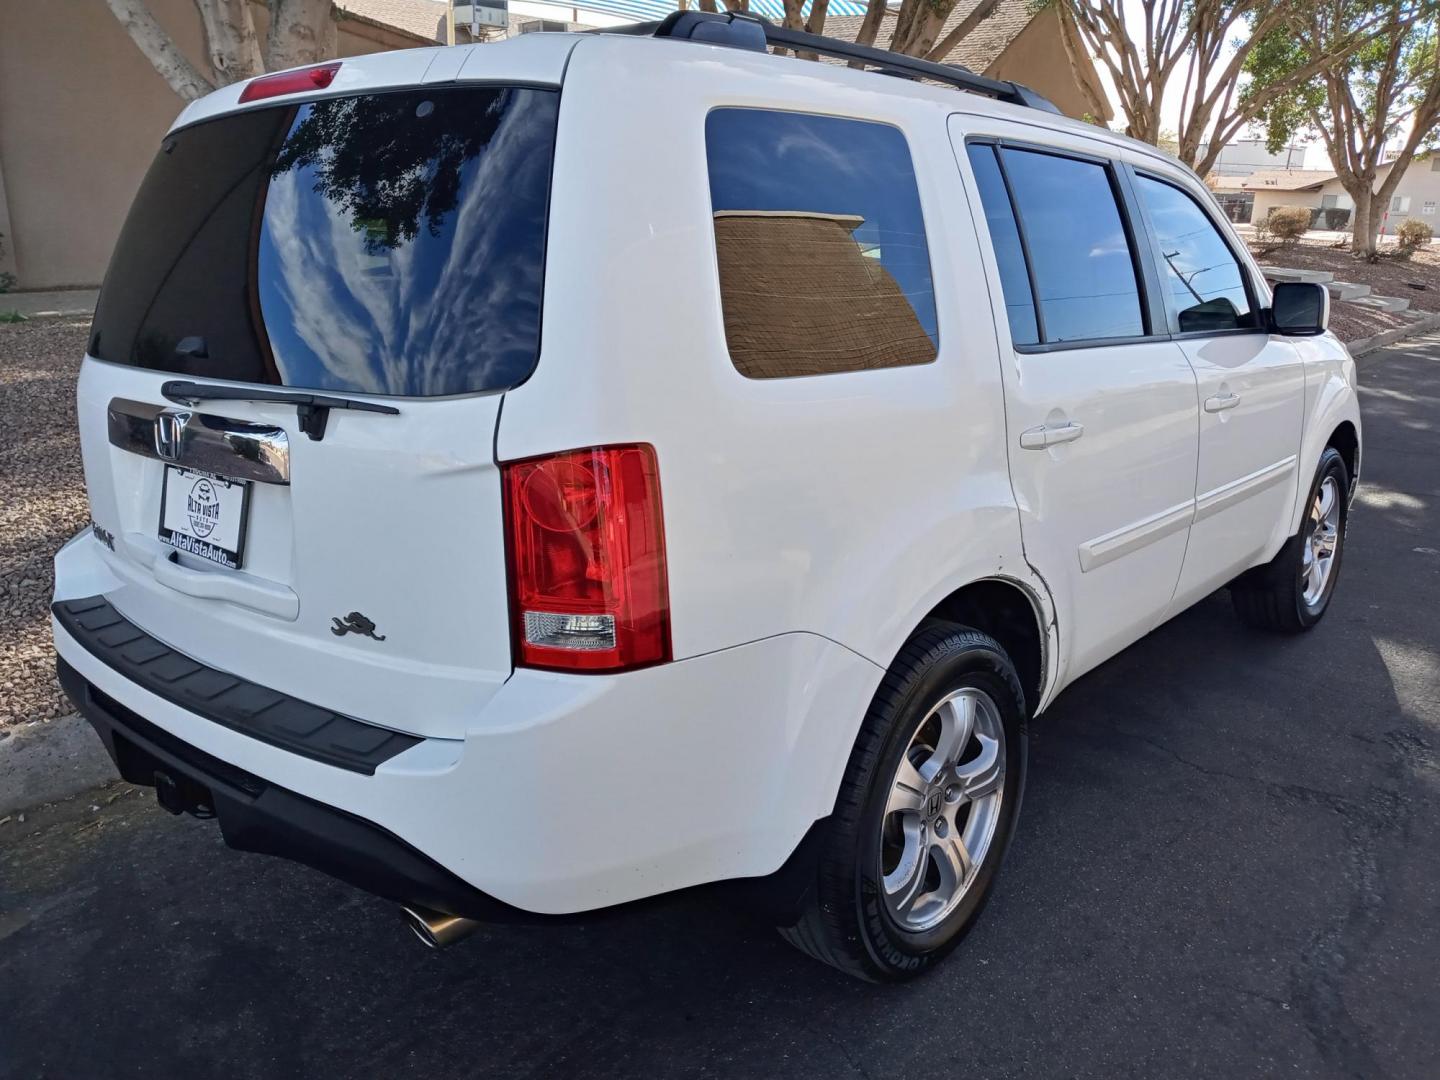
(170, 433)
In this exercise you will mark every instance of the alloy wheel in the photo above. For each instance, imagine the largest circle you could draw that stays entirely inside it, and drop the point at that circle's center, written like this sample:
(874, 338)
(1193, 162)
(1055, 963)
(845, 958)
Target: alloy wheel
(942, 809)
(1322, 542)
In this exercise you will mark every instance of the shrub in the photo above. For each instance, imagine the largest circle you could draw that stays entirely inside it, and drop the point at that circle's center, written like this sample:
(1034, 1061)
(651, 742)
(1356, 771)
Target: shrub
(1334, 218)
(1412, 235)
(1289, 223)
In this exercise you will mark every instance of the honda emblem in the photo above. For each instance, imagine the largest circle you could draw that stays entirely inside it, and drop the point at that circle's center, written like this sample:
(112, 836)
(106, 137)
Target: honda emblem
(170, 433)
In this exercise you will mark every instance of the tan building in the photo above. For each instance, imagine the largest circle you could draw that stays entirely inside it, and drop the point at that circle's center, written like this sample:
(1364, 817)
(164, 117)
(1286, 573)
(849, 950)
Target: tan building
(1417, 195)
(82, 111)
(1014, 42)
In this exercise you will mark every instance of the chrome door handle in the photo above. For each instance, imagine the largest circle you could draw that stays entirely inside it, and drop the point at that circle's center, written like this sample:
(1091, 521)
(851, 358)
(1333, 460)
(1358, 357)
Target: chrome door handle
(1221, 402)
(1046, 435)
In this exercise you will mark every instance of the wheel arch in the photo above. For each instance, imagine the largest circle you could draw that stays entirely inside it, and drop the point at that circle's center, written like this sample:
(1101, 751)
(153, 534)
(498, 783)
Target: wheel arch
(1013, 613)
(1333, 420)
(1346, 439)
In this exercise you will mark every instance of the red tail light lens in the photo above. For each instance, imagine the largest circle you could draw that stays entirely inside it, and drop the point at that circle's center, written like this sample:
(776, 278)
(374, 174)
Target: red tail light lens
(290, 82)
(588, 589)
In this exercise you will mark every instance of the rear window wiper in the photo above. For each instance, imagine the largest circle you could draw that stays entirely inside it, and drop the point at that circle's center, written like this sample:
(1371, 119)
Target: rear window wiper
(313, 409)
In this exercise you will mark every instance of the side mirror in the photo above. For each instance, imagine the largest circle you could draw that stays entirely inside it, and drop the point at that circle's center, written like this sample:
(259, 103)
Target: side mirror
(1299, 309)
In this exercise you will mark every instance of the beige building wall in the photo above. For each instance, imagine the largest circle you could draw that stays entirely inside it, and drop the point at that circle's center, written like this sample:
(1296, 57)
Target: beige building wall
(1420, 185)
(81, 115)
(1037, 58)
(1265, 201)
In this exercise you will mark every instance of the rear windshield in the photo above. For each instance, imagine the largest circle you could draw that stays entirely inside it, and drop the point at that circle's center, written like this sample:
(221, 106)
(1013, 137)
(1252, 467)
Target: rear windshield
(387, 244)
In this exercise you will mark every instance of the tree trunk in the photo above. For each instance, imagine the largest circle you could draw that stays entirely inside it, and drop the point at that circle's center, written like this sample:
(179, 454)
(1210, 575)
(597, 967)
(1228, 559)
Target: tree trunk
(815, 24)
(870, 26)
(1365, 224)
(919, 24)
(230, 40)
(301, 32)
(156, 45)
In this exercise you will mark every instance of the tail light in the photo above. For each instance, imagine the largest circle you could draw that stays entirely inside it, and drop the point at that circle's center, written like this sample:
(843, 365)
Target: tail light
(290, 82)
(588, 589)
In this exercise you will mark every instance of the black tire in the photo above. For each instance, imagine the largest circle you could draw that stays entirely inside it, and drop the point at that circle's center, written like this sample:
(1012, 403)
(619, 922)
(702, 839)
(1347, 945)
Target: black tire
(1272, 597)
(845, 923)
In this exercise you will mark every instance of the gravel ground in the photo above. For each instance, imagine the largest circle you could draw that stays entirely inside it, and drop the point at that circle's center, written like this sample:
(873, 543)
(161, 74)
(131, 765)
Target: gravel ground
(1417, 278)
(42, 504)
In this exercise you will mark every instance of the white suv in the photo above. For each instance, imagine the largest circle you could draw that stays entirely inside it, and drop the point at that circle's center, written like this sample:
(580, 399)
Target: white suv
(945, 398)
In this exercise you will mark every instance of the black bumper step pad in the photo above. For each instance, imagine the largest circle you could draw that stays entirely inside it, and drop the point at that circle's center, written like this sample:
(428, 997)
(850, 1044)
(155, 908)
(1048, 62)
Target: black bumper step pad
(249, 708)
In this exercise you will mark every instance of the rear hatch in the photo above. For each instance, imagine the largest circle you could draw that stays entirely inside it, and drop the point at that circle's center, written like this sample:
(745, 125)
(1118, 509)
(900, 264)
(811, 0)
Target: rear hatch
(381, 253)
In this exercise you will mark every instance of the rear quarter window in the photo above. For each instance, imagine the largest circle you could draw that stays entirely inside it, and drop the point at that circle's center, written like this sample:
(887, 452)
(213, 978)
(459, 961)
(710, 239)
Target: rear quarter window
(820, 241)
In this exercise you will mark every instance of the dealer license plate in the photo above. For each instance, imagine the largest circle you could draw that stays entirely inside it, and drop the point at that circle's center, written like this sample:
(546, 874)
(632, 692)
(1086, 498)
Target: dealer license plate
(204, 515)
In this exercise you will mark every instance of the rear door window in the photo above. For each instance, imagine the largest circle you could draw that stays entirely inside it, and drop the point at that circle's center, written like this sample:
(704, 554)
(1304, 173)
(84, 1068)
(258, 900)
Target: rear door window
(1005, 239)
(823, 262)
(386, 243)
(1080, 256)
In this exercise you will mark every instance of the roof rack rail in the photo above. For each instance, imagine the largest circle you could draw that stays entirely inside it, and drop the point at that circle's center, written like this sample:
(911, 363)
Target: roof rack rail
(744, 31)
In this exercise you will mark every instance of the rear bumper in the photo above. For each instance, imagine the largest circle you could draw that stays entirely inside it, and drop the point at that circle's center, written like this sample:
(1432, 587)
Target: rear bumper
(258, 816)
(566, 794)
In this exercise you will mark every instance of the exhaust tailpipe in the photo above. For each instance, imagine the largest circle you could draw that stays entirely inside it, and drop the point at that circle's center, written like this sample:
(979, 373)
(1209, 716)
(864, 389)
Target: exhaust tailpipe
(437, 929)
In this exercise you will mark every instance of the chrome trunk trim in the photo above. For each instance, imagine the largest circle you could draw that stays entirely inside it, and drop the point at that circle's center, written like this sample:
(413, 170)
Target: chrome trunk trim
(237, 449)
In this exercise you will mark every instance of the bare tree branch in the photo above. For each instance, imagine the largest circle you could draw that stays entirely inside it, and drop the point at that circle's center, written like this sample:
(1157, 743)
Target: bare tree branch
(1069, 37)
(160, 49)
(963, 29)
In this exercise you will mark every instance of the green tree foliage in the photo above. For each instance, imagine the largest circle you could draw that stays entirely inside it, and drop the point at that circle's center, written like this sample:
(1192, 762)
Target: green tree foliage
(1361, 101)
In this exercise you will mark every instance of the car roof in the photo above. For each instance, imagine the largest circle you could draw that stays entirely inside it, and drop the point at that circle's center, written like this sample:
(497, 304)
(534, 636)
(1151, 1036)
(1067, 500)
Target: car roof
(540, 59)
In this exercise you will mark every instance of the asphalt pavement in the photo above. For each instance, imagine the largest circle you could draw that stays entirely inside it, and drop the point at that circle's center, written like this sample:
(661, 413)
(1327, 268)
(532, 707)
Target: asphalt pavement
(1228, 865)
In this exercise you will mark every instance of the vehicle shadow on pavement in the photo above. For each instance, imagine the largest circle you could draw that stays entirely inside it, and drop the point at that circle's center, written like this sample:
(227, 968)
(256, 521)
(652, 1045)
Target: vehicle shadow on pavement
(1225, 866)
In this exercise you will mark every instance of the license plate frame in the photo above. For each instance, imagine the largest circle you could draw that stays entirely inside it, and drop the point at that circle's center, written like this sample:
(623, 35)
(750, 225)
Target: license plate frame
(184, 527)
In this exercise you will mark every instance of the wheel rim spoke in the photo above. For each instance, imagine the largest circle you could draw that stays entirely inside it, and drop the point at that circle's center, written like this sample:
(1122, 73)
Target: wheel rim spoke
(957, 723)
(952, 859)
(982, 775)
(903, 884)
(908, 791)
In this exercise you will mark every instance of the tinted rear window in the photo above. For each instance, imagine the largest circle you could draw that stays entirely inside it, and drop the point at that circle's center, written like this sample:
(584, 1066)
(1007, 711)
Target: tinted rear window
(821, 245)
(388, 244)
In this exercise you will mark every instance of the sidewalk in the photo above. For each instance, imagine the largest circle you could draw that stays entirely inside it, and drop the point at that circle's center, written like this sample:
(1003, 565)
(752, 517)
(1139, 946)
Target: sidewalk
(59, 302)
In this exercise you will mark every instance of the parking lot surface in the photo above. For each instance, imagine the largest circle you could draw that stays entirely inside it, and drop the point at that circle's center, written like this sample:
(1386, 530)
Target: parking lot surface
(1228, 865)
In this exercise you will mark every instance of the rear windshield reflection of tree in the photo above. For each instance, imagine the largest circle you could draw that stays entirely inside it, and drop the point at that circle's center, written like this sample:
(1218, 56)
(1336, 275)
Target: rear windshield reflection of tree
(392, 162)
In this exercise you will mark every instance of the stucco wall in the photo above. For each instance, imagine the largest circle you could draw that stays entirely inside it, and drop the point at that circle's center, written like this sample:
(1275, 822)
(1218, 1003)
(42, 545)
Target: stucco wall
(1265, 201)
(81, 114)
(1037, 58)
(1421, 184)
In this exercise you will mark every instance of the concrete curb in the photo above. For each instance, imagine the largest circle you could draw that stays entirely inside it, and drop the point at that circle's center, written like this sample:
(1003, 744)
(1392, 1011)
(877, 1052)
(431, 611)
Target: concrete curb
(51, 303)
(42, 763)
(1389, 337)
